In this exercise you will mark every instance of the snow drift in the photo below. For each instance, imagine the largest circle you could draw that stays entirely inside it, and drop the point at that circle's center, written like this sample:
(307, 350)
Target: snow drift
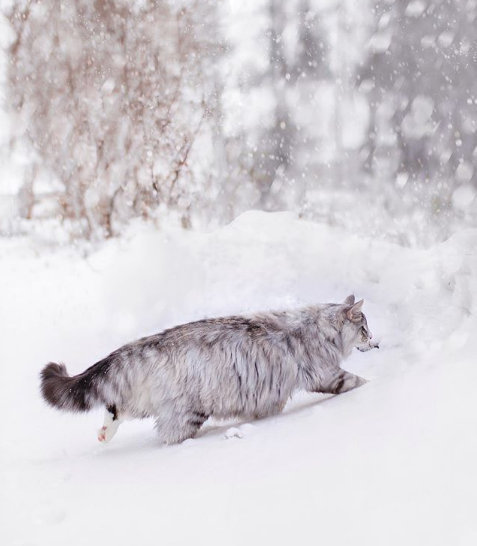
(389, 463)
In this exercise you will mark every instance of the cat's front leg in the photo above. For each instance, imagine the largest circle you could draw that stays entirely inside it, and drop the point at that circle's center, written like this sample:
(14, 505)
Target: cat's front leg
(340, 382)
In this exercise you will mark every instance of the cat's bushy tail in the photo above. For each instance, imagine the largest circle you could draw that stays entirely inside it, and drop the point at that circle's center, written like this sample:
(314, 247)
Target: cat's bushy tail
(81, 392)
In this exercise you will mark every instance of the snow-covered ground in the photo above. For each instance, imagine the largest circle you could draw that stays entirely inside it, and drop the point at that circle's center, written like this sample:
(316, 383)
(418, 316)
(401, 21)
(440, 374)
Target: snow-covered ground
(390, 463)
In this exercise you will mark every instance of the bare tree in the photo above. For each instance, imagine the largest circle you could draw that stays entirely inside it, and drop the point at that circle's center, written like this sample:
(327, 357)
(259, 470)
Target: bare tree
(111, 96)
(420, 73)
(292, 66)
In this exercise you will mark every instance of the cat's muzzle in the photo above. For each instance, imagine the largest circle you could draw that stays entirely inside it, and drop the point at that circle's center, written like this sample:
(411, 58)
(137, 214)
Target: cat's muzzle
(368, 346)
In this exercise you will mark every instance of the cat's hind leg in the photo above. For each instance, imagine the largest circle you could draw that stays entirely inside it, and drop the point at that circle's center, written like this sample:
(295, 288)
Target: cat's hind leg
(111, 424)
(175, 427)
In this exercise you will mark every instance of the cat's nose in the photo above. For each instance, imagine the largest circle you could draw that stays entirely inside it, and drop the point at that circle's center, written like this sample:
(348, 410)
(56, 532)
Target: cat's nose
(370, 335)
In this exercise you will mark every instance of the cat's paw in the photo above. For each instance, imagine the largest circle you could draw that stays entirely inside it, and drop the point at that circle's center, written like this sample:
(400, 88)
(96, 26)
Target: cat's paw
(106, 433)
(102, 434)
(108, 430)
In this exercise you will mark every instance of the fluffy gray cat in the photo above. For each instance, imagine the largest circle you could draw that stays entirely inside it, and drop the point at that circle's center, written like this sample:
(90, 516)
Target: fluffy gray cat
(238, 366)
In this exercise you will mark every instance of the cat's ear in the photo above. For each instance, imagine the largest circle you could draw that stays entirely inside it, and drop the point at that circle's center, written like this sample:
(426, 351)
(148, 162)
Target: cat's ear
(354, 312)
(349, 300)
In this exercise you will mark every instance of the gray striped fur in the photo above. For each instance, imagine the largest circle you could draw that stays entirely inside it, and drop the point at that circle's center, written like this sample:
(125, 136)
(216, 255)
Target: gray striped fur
(238, 366)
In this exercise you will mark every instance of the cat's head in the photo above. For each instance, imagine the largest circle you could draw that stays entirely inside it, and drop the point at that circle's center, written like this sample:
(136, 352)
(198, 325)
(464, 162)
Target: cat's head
(355, 331)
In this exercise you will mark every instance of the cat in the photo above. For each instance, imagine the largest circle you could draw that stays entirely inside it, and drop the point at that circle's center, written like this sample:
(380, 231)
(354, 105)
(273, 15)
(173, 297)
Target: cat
(237, 366)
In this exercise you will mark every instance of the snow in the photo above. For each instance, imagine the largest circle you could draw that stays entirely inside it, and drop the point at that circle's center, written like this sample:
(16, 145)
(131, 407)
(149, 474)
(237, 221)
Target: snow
(380, 42)
(464, 171)
(415, 8)
(390, 463)
(445, 38)
(463, 196)
(416, 124)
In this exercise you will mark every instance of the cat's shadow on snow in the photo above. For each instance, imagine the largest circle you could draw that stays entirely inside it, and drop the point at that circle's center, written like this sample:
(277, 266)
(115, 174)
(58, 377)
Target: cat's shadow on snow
(296, 405)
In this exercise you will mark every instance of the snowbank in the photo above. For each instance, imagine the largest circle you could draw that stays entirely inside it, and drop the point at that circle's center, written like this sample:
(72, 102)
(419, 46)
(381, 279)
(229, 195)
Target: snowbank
(390, 463)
